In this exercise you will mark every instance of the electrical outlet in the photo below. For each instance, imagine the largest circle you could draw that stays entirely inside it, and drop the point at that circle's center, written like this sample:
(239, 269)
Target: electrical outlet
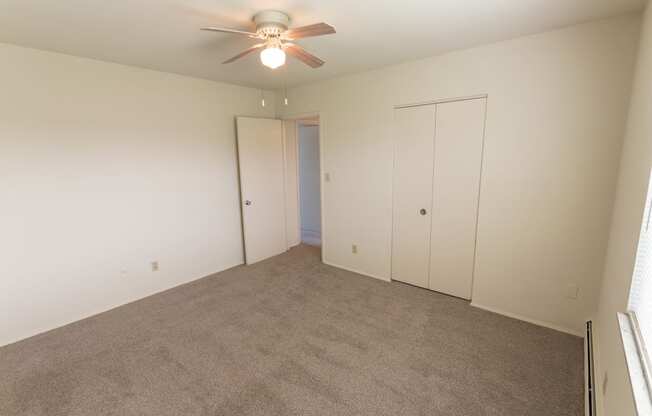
(572, 291)
(354, 249)
(155, 266)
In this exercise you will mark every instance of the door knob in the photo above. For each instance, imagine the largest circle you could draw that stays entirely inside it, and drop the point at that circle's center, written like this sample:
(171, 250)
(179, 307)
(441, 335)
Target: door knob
(423, 211)
(247, 202)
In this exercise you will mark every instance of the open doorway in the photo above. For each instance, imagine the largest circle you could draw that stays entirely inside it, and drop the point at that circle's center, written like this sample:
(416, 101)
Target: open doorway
(309, 181)
(280, 184)
(302, 143)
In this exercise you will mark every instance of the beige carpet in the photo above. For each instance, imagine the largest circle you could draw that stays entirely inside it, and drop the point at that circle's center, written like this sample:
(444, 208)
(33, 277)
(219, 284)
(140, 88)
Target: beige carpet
(291, 336)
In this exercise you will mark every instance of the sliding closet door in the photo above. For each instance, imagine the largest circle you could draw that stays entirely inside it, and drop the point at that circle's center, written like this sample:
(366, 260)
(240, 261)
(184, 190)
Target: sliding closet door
(456, 184)
(414, 129)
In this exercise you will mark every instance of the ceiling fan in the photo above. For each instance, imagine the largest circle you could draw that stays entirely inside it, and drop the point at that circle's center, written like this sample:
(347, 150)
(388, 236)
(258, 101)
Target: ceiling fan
(272, 29)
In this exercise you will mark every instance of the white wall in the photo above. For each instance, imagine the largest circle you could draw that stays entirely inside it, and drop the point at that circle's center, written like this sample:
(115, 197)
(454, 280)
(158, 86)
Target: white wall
(309, 183)
(556, 112)
(635, 167)
(103, 169)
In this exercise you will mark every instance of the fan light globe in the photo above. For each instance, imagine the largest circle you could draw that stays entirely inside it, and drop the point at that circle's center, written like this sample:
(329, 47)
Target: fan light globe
(272, 57)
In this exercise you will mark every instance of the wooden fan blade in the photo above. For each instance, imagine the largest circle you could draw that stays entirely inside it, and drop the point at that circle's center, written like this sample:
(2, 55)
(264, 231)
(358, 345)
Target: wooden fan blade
(233, 31)
(318, 29)
(303, 55)
(243, 53)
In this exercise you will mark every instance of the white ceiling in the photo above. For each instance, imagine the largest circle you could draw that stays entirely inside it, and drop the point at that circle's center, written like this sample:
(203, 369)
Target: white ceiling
(164, 34)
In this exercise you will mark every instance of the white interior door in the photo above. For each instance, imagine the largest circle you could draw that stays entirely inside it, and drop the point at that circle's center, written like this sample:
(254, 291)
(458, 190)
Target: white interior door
(260, 153)
(414, 129)
(291, 182)
(456, 183)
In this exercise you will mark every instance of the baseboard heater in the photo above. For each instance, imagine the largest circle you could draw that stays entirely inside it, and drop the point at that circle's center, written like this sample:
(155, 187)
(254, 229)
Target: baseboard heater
(590, 371)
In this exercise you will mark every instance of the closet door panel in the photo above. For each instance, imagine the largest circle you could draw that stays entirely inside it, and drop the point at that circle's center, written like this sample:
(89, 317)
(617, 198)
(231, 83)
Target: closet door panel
(456, 184)
(414, 129)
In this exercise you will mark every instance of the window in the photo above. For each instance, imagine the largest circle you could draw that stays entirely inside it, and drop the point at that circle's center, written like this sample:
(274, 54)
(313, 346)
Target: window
(640, 296)
(636, 325)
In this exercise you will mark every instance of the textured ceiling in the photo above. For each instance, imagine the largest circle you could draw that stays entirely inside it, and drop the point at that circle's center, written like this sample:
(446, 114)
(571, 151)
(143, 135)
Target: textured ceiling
(164, 34)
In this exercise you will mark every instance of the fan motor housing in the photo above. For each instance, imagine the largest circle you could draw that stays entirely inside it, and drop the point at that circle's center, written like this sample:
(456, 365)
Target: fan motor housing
(271, 22)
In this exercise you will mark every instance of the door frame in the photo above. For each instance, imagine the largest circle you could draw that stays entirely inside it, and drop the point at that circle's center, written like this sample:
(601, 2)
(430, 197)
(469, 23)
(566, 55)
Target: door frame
(322, 134)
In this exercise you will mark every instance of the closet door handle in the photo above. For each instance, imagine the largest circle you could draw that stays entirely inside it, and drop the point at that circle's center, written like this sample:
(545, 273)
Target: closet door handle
(423, 211)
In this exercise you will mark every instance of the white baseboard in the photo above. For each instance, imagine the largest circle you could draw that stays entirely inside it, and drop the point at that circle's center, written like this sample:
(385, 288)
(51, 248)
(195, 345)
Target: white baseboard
(295, 243)
(348, 269)
(88, 314)
(476, 305)
(532, 321)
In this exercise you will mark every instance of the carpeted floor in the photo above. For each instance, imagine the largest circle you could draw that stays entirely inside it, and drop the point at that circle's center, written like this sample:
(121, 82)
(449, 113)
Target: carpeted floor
(292, 336)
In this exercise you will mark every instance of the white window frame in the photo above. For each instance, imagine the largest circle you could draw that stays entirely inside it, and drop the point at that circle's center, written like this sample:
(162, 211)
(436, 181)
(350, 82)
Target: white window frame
(636, 352)
(642, 350)
(638, 362)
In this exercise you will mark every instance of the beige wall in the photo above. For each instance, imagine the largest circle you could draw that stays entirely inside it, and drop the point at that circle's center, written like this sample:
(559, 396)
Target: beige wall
(103, 169)
(635, 167)
(556, 112)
